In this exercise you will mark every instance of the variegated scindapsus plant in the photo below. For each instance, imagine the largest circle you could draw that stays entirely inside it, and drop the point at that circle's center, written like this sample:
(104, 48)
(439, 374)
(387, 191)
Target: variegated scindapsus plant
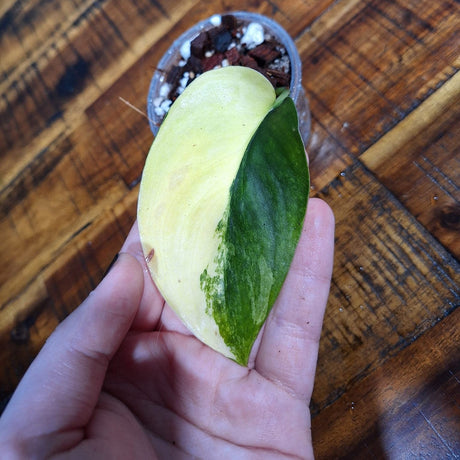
(221, 206)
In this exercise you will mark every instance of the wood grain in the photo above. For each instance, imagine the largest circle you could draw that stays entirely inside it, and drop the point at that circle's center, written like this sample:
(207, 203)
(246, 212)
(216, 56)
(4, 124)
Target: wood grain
(408, 408)
(397, 286)
(59, 288)
(419, 161)
(79, 63)
(383, 84)
(382, 60)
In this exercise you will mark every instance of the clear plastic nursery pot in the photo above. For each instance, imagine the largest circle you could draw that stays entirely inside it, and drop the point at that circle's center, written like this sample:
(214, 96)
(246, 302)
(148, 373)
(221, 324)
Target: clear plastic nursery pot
(271, 28)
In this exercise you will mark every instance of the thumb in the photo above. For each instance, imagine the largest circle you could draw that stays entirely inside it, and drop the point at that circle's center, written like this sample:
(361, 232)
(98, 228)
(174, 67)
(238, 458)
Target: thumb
(60, 389)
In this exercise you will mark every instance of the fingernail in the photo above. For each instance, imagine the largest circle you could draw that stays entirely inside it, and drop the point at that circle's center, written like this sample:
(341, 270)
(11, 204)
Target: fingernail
(111, 264)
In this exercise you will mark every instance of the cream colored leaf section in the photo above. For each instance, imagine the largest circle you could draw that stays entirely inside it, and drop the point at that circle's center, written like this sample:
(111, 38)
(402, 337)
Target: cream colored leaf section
(186, 183)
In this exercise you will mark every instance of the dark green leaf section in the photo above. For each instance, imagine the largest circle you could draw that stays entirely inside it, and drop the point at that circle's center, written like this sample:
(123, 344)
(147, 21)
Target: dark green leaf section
(268, 199)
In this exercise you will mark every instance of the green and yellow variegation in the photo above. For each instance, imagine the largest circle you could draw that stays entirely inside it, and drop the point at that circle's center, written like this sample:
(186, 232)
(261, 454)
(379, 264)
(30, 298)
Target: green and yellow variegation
(222, 203)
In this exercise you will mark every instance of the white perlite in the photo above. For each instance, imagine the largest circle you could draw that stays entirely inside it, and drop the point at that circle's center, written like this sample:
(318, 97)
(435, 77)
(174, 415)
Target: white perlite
(216, 20)
(185, 50)
(254, 35)
(164, 90)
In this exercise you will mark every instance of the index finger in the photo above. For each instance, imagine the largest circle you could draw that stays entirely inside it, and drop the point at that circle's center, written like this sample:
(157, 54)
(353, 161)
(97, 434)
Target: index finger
(152, 302)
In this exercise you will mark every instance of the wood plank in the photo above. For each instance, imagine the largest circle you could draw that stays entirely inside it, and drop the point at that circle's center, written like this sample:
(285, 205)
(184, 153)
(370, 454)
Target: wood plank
(392, 281)
(53, 90)
(408, 408)
(67, 197)
(327, 154)
(37, 22)
(27, 320)
(382, 60)
(419, 162)
(294, 16)
(419, 128)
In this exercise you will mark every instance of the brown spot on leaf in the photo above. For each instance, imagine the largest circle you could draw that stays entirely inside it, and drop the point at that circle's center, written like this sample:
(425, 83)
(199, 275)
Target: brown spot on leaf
(150, 256)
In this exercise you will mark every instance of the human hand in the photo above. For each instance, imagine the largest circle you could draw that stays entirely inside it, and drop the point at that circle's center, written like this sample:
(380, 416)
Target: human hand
(122, 377)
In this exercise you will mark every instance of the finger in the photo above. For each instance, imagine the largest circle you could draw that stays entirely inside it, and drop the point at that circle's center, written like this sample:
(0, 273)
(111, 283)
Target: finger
(289, 346)
(60, 390)
(152, 302)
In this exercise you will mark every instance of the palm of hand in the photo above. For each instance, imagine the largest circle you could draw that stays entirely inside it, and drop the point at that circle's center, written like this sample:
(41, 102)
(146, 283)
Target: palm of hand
(123, 378)
(169, 394)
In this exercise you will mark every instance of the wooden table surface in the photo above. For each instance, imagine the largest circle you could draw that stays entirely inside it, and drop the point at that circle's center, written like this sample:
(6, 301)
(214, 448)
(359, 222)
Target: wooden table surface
(384, 88)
